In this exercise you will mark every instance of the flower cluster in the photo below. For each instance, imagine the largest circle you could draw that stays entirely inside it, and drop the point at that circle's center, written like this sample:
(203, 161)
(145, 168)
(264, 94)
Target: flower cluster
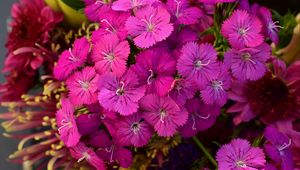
(152, 72)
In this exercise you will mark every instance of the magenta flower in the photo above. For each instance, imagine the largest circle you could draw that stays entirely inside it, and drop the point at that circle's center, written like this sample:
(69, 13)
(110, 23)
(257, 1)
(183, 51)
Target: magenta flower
(155, 70)
(183, 90)
(215, 91)
(270, 29)
(113, 23)
(149, 26)
(72, 59)
(201, 117)
(82, 86)
(163, 114)
(176, 40)
(120, 94)
(198, 62)
(132, 130)
(87, 124)
(279, 148)
(215, 1)
(239, 154)
(96, 10)
(110, 55)
(242, 30)
(183, 13)
(126, 5)
(82, 152)
(66, 124)
(109, 151)
(248, 63)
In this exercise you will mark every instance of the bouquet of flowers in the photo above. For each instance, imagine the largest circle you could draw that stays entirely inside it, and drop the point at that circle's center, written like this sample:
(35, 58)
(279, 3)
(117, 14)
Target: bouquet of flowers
(152, 84)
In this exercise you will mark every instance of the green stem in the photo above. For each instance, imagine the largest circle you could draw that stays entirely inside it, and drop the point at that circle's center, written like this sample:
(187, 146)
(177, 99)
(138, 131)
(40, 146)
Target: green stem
(204, 150)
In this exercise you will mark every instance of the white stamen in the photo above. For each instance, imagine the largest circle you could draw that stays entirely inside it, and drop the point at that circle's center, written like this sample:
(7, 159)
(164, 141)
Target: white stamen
(72, 57)
(241, 164)
(203, 117)
(177, 7)
(109, 24)
(198, 64)
(162, 115)
(194, 123)
(64, 124)
(273, 25)
(243, 31)
(99, 2)
(84, 156)
(150, 77)
(120, 91)
(111, 151)
(285, 145)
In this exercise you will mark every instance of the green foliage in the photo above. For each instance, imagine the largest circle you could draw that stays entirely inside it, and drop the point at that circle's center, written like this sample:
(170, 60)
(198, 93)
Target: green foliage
(75, 4)
(288, 22)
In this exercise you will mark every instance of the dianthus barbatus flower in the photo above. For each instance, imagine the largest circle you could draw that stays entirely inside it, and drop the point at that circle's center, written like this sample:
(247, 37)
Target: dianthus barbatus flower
(126, 5)
(239, 154)
(163, 114)
(155, 70)
(82, 152)
(132, 130)
(278, 147)
(66, 124)
(201, 117)
(183, 90)
(176, 40)
(242, 30)
(96, 10)
(82, 86)
(120, 94)
(113, 23)
(215, 90)
(109, 151)
(270, 29)
(198, 62)
(278, 95)
(149, 26)
(215, 1)
(71, 59)
(248, 63)
(110, 55)
(182, 12)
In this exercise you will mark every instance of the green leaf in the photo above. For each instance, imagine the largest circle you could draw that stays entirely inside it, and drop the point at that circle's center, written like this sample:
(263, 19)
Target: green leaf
(75, 4)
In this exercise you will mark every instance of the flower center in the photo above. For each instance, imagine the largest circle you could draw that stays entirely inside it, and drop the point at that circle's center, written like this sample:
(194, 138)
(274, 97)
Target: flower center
(84, 85)
(120, 91)
(241, 164)
(109, 57)
(198, 64)
(247, 57)
(271, 98)
(162, 114)
(135, 127)
(284, 145)
(243, 31)
(217, 85)
(150, 25)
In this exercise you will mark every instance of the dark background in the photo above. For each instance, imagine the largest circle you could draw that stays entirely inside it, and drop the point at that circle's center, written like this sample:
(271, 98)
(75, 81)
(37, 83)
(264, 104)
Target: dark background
(7, 146)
